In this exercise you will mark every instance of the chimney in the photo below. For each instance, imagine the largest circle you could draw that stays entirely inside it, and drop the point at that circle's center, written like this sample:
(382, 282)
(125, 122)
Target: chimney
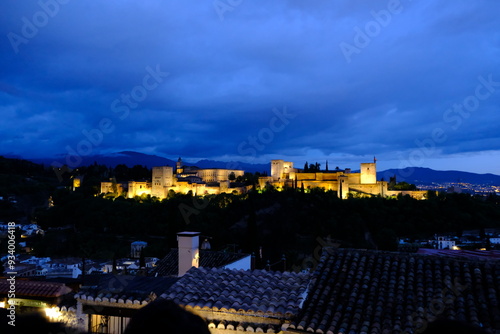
(189, 251)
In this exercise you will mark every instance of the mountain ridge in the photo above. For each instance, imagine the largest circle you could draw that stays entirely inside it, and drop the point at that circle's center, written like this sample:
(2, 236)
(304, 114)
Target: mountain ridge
(423, 175)
(415, 175)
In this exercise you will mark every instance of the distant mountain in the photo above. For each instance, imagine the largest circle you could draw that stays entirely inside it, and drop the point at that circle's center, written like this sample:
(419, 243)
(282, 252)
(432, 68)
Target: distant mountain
(415, 175)
(128, 158)
(131, 159)
(421, 175)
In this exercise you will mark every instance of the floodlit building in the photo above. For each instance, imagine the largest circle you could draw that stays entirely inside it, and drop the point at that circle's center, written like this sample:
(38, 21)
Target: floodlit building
(204, 181)
(184, 179)
(343, 181)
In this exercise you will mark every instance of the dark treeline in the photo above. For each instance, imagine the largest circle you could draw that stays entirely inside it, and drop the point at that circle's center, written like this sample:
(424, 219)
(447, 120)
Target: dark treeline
(293, 222)
(290, 223)
(26, 186)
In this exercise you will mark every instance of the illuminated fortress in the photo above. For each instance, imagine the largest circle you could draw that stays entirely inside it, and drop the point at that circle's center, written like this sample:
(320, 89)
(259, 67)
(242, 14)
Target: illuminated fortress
(183, 179)
(165, 180)
(344, 182)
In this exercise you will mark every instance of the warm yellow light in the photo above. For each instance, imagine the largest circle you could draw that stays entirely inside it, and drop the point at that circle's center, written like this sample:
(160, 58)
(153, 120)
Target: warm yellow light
(52, 313)
(455, 247)
(2, 304)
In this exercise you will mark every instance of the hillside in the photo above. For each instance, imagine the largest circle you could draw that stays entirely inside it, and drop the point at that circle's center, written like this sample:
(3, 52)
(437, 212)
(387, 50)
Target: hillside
(420, 175)
(416, 175)
(130, 159)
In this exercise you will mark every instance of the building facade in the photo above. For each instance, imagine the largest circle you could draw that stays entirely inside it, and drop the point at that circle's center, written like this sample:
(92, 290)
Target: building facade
(283, 174)
(184, 179)
(344, 182)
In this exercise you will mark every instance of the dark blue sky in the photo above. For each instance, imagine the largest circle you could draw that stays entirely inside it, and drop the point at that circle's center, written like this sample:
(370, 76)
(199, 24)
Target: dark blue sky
(414, 83)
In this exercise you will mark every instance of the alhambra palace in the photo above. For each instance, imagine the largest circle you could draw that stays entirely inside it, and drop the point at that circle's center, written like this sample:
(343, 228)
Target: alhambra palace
(206, 181)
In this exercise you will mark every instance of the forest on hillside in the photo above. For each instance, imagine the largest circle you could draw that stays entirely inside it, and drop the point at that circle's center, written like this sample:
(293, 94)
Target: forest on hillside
(289, 224)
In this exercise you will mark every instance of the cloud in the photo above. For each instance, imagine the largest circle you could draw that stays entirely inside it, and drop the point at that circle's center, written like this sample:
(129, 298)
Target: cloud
(227, 73)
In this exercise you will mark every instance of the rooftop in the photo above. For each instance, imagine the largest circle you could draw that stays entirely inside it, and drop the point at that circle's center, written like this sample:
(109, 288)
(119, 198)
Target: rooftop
(124, 288)
(26, 288)
(255, 292)
(467, 254)
(355, 291)
(169, 265)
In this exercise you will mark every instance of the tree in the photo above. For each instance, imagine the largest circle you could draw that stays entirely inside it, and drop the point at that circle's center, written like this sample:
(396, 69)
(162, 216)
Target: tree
(231, 176)
(114, 270)
(142, 259)
(306, 167)
(403, 186)
(386, 239)
(314, 167)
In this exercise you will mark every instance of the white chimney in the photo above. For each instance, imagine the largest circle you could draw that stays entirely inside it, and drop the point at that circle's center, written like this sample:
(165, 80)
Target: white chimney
(189, 251)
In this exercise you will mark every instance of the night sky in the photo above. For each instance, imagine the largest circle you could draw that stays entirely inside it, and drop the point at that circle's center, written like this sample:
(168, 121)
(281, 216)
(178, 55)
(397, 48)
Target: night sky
(414, 83)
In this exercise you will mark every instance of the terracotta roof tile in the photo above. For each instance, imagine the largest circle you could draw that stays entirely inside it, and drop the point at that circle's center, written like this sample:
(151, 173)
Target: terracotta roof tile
(125, 289)
(35, 288)
(354, 291)
(241, 291)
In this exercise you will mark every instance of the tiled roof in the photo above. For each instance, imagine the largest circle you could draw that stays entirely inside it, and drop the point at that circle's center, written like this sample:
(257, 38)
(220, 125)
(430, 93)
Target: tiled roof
(26, 288)
(468, 254)
(355, 291)
(125, 289)
(243, 326)
(169, 265)
(255, 292)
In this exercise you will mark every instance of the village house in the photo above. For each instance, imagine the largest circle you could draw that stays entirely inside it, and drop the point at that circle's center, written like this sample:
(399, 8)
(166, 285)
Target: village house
(349, 291)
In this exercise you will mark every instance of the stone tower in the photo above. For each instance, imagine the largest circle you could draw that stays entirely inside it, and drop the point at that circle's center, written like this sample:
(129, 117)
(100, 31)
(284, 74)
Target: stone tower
(178, 166)
(368, 173)
(163, 177)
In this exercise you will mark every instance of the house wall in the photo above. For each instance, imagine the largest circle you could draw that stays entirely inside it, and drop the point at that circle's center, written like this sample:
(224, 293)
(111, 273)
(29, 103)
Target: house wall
(417, 194)
(107, 187)
(242, 264)
(445, 244)
(374, 189)
(107, 324)
(136, 188)
(218, 174)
